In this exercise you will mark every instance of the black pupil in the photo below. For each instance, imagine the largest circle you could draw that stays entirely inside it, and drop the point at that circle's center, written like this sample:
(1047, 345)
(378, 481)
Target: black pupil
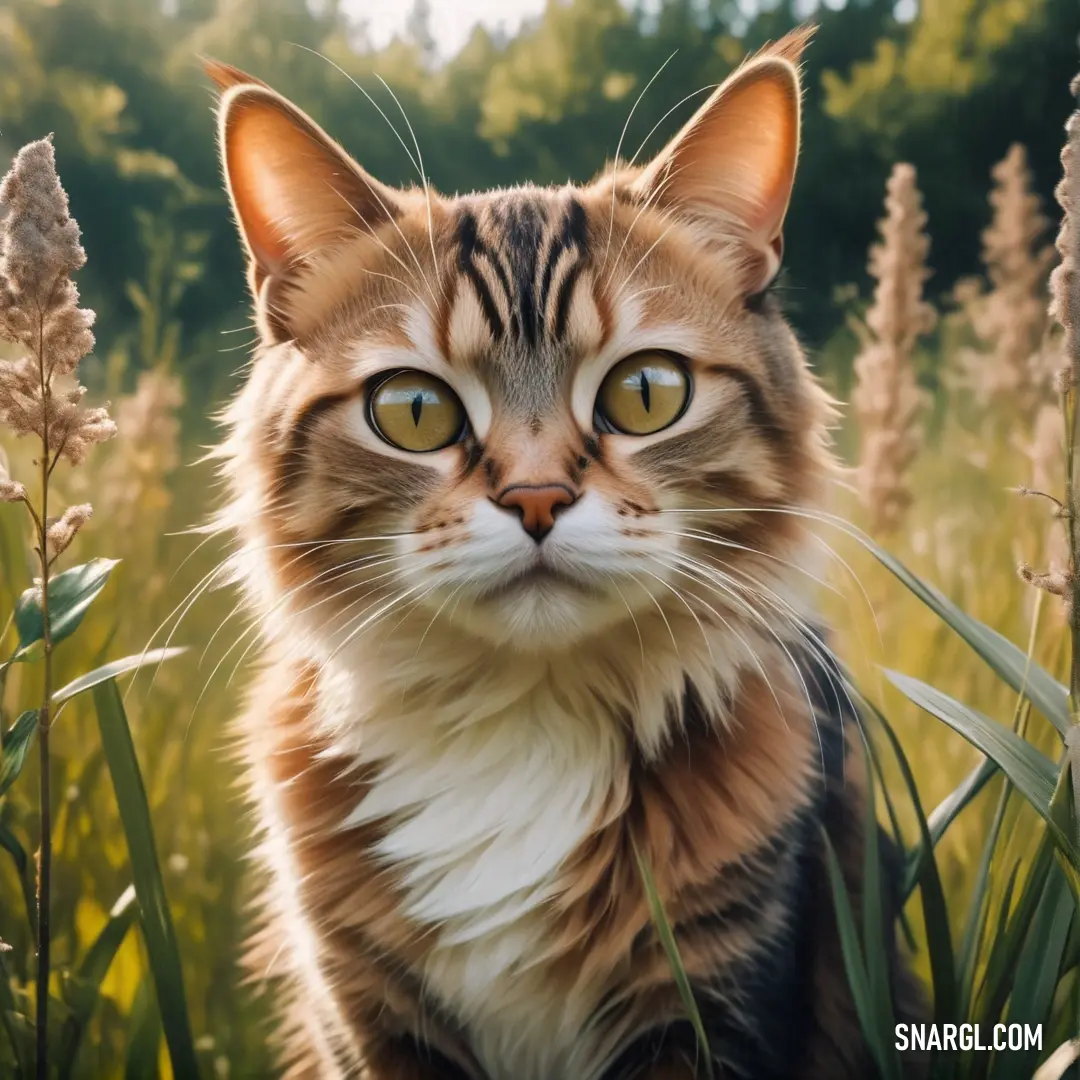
(418, 407)
(645, 390)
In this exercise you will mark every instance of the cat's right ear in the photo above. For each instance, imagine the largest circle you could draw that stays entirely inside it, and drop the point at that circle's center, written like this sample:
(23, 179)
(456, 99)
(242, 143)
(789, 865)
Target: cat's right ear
(295, 192)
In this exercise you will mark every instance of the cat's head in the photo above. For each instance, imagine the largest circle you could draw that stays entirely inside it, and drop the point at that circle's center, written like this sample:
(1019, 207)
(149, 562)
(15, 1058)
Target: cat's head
(525, 415)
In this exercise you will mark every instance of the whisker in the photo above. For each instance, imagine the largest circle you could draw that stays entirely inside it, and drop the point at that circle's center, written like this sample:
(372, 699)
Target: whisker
(369, 620)
(678, 104)
(423, 181)
(650, 201)
(780, 642)
(656, 604)
(822, 516)
(618, 150)
(790, 615)
(693, 614)
(648, 251)
(735, 633)
(630, 612)
(253, 629)
(710, 538)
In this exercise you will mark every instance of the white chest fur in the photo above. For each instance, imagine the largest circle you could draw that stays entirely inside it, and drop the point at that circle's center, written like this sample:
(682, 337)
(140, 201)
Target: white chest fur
(488, 809)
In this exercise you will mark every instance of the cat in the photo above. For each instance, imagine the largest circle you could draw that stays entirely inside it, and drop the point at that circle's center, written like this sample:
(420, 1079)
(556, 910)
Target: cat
(523, 484)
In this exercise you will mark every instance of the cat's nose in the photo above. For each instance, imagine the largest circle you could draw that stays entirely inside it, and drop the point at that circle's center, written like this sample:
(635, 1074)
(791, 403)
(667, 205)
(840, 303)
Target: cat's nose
(537, 504)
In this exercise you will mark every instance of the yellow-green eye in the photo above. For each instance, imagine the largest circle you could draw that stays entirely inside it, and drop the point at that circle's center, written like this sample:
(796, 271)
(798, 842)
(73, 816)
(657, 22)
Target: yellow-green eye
(415, 411)
(644, 393)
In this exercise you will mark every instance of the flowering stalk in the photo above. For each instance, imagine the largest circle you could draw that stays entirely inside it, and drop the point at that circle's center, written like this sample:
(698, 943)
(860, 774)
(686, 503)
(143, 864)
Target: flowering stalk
(1065, 307)
(1008, 370)
(39, 251)
(887, 398)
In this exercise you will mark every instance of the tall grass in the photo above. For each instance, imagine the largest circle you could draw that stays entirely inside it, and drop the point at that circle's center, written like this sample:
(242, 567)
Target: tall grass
(969, 729)
(100, 886)
(1002, 846)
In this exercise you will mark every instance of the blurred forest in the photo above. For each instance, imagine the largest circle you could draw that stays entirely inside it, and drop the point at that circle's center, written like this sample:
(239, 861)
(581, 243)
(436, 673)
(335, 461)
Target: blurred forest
(118, 82)
(946, 85)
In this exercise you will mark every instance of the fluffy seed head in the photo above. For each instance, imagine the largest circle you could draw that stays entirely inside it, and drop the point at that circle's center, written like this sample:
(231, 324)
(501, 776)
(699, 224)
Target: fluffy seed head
(887, 398)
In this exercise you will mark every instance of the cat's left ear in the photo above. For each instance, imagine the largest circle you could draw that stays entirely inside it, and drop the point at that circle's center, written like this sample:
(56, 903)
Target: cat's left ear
(295, 193)
(731, 169)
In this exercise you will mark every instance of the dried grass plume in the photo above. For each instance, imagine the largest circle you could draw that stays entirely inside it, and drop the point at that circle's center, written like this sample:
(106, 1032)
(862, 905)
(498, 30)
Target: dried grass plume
(1065, 280)
(39, 310)
(1065, 308)
(1011, 370)
(887, 397)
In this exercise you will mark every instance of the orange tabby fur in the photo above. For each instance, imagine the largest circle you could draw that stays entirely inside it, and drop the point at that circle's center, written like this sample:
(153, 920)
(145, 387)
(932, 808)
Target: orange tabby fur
(461, 741)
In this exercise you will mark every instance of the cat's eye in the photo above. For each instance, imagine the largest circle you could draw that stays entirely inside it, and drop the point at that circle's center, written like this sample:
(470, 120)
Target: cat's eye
(642, 394)
(415, 411)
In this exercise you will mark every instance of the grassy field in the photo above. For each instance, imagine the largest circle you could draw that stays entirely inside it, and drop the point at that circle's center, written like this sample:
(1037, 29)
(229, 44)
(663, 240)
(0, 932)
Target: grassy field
(964, 528)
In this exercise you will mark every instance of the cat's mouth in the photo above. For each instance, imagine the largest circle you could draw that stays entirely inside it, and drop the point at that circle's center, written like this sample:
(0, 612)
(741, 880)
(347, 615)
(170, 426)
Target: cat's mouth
(537, 576)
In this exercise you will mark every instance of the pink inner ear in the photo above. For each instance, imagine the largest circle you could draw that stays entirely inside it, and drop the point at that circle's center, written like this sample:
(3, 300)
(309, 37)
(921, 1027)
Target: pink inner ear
(734, 162)
(258, 169)
(295, 190)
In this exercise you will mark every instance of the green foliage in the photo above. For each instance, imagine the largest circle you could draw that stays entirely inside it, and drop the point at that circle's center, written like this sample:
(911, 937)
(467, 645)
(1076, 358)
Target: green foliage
(1013, 969)
(71, 595)
(118, 83)
(155, 920)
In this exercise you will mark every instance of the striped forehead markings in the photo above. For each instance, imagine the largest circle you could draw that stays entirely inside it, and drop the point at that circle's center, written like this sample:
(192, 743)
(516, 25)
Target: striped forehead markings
(515, 235)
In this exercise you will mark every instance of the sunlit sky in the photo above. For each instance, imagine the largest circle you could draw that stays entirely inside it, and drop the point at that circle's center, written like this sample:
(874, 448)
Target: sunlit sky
(451, 20)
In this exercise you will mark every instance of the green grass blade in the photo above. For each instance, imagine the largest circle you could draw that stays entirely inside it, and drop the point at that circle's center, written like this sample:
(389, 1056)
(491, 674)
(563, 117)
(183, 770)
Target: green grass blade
(879, 977)
(896, 832)
(142, 1054)
(1009, 938)
(1007, 660)
(70, 595)
(880, 1043)
(1037, 970)
(22, 1047)
(931, 890)
(84, 988)
(671, 948)
(943, 815)
(1033, 774)
(10, 843)
(113, 670)
(154, 916)
(17, 743)
(979, 906)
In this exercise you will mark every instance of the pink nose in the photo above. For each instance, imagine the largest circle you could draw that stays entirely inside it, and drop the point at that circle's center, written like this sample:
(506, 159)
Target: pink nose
(537, 504)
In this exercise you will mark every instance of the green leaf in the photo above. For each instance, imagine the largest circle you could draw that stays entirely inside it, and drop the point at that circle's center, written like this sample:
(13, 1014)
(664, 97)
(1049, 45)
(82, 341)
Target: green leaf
(931, 890)
(70, 594)
(671, 948)
(877, 957)
(156, 921)
(880, 1043)
(979, 904)
(17, 744)
(83, 990)
(943, 815)
(1033, 774)
(1008, 940)
(113, 670)
(20, 1035)
(145, 1025)
(1037, 969)
(10, 843)
(1007, 660)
